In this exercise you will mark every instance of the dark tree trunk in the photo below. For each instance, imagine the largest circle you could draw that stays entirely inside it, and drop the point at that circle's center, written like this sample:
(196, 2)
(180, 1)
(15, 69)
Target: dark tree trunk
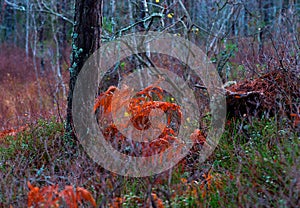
(8, 24)
(41, 41)
(86, 39)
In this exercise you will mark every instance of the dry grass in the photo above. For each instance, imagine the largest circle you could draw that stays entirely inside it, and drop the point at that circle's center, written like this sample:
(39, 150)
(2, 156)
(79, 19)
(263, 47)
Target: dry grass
(24, 96)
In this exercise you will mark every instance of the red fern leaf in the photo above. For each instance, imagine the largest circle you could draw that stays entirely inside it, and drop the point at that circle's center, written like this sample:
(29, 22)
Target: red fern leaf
(69, 196)
(104, 99)
(83, 194)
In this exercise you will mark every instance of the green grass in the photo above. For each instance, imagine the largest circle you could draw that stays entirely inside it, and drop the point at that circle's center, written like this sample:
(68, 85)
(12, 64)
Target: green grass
(256, 164)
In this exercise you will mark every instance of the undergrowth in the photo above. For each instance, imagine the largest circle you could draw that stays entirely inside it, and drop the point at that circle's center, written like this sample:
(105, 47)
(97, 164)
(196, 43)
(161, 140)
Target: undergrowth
(25, 95)
(255, 164)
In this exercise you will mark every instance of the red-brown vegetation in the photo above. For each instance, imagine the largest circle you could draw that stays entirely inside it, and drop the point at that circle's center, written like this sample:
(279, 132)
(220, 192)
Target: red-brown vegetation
(26, 94)
(139, 108)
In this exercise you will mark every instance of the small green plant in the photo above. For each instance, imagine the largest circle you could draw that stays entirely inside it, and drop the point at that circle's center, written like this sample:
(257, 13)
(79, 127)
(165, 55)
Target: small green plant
(107, 25)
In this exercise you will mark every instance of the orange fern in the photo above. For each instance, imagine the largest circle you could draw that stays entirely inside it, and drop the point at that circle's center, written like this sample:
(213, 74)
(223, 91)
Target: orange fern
(117, 202)
(104, 99)
(49, 196)
(197, 137)
(139, 107)
(158, 202)
(45, 197)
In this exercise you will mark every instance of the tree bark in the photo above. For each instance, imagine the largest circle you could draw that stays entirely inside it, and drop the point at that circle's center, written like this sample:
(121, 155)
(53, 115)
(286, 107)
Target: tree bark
(86, 40)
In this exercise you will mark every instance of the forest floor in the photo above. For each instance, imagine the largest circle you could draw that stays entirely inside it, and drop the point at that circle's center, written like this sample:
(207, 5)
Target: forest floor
(256, 163)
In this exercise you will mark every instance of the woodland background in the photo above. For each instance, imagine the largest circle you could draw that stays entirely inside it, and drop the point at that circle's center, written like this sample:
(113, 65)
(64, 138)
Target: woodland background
(254, 43)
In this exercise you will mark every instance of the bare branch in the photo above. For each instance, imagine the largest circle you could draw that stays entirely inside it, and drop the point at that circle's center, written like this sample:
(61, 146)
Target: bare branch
(15, 6)
(51, 11)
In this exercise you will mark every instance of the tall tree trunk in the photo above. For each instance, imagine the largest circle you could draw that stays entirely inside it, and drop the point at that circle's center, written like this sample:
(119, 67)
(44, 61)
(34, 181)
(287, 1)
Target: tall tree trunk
(34, 59)
(86, 39)
(41, 41)
(27, 27)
